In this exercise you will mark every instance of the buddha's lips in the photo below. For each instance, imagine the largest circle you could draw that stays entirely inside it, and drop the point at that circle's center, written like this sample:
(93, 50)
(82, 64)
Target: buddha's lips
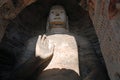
(58, 27)
(57, 22)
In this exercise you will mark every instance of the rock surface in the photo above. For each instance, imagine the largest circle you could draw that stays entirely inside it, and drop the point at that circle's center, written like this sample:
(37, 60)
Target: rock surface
(23, 25)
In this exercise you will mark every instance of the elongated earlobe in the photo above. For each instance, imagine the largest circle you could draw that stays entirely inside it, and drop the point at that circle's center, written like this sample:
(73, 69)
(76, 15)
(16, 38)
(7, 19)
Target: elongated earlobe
(67, 23)
(48, 25)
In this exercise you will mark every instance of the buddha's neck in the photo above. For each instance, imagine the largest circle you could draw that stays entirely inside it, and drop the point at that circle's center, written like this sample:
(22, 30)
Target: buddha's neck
(58, 31)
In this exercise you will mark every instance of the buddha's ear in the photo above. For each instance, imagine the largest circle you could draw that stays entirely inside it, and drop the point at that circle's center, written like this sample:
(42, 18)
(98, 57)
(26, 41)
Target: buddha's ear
(48, 24)
(67, 24)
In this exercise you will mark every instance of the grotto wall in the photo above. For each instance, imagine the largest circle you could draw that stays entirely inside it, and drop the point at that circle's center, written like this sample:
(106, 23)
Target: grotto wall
(8, 11)
(105, 15)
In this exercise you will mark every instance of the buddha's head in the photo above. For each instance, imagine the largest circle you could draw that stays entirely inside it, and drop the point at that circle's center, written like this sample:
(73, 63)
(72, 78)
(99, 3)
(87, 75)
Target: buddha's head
(57, 18)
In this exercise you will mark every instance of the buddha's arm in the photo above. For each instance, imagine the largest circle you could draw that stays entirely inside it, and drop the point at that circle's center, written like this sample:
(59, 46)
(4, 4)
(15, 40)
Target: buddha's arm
(39, 61)
(26, 69)
(29, 68)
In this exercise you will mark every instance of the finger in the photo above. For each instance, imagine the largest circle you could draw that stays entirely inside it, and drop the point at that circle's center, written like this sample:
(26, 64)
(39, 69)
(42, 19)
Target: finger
(41, 36)
(39, 40)
(46, 44)
(43, 39)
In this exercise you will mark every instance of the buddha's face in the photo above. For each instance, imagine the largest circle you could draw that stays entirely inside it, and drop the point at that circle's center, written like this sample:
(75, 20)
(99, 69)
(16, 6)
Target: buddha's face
(57, 17)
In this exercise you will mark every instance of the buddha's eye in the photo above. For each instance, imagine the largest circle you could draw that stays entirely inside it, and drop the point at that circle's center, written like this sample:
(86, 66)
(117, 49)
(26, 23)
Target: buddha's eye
(52, 12)
(62, 11)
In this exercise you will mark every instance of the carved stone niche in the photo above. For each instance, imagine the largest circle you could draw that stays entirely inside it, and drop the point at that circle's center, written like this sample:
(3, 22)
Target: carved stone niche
(114, 7)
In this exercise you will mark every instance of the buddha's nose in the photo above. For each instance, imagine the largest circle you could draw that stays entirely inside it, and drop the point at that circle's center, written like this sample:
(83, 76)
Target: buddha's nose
(57, 14)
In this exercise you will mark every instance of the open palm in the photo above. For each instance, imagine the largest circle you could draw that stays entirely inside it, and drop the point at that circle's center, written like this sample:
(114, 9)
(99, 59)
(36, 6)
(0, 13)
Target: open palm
(43, 48)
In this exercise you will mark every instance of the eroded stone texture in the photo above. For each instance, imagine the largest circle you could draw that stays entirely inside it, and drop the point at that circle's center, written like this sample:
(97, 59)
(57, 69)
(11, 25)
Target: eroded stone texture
(9, 9)
(3, 25)
(79, 25)
(106, 23)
